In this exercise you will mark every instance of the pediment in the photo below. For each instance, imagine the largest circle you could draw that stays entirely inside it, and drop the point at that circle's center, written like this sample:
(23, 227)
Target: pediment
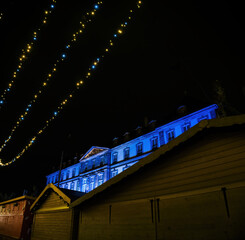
(93, 151)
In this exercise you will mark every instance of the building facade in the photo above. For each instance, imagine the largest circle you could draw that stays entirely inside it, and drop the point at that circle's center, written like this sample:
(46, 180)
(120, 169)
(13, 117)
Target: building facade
(100, 164)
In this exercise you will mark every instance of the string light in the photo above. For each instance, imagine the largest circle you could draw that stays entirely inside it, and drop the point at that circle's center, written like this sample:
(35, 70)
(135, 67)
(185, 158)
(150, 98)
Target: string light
(25, 52)
(64, 102)
(1, 16)
(22, 117)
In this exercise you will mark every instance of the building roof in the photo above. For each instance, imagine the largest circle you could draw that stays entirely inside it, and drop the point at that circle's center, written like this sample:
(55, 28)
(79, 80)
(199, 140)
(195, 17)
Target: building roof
(205, 124)
(18, 199)
(67, 195)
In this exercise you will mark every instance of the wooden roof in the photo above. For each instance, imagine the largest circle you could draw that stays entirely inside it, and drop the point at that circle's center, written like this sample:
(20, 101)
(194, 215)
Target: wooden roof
(25, 197)
(205, 124)
(67, 195)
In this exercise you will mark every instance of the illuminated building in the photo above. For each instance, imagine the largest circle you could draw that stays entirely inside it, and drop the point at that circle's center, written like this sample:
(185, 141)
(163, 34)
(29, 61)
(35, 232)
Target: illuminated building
(99, 164)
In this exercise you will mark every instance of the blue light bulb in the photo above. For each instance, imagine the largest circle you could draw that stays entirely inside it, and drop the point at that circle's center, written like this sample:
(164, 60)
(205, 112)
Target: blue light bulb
(63, 55)
(34, 38)
(96, 6)
(115, 35)
(93, 67)
(55, 113)
(1, 101)
(52, 6)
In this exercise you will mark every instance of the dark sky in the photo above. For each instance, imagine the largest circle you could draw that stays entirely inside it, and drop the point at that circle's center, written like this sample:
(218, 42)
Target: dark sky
(171, 54)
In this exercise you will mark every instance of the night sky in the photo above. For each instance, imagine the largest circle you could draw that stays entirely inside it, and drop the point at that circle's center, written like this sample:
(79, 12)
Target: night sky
(171, 54)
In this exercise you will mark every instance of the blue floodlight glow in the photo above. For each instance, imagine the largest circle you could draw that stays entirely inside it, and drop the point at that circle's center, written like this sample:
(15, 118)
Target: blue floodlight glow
(96, 6)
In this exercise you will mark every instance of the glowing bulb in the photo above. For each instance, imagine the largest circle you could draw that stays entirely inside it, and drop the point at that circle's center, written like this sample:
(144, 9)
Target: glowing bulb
(96, 6)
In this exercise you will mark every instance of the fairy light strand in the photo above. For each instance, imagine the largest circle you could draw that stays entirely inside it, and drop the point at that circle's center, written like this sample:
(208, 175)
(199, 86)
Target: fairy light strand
(77, 86)
(26, 52)
(89, 15)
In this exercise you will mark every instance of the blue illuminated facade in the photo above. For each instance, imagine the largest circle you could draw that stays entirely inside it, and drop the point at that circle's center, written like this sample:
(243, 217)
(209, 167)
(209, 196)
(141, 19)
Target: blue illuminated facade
(100, 164)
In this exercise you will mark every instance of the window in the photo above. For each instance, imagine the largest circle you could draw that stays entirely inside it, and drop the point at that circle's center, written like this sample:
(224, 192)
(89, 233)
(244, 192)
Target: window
(186, 127)
(126, 153)
(100, 182)
(202, 118)
(72, 186)
(91, 186)
(62, 176)
(66, 186)
(78, 185)
(154, 143)
(84, 187)
(67, 174)
(126, 167)
(170, 135)
(102, 160)
(114, 173)
(74, 172)
(114, 157)
(139, 148)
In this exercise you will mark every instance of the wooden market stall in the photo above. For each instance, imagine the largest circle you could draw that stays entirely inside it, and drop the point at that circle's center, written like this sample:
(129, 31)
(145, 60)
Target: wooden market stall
(191, 188)
(53, 219)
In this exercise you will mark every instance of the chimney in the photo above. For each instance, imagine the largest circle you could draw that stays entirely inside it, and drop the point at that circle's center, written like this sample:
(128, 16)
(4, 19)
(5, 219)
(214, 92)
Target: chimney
(115, 141)
(126, 136)
(138, 131)
(152, 125)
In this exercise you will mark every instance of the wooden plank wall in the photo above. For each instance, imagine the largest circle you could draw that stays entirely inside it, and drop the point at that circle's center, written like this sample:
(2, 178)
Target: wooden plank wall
(53, 220)
(186, 194)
